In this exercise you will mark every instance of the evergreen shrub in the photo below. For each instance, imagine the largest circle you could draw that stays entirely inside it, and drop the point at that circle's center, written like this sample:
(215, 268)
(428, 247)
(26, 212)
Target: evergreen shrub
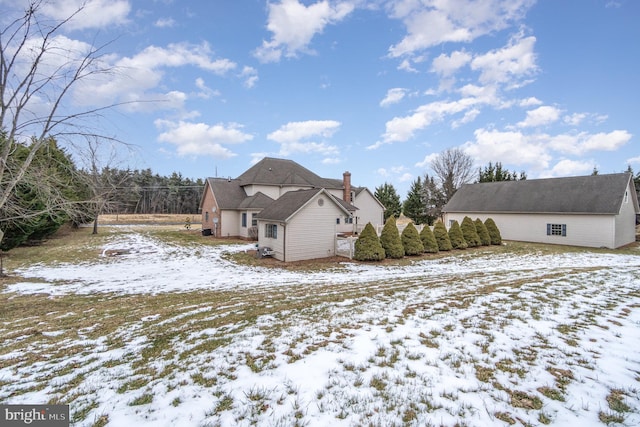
(429, 240)
(411, 240)
(368, 247)
(494, 233)
(441, 236)
(456, 237)
(485, 239)
(390, 239)
(470, 233)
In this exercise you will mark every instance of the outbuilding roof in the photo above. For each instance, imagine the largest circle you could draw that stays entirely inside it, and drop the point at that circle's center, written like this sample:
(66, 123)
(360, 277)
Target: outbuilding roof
(594, 194)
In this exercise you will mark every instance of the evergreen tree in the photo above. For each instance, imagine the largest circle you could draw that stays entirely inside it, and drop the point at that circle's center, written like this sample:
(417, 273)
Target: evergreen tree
(433, 199)
(485, 239)
(456, 237)
(390, 239)
(388, 196)
(414, 206)
(411, 240)
(495, 173)
(494, 233)
(442, 237)
(469, 232)
(368, 247)
(428, 240)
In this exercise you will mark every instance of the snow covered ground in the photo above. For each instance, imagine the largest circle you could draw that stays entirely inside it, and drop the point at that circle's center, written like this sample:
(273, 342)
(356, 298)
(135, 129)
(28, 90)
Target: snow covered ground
(166, 335)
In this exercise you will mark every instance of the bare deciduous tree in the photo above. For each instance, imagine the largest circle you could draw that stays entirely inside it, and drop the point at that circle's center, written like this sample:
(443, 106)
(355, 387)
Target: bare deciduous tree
(39, 67)
(453, 167)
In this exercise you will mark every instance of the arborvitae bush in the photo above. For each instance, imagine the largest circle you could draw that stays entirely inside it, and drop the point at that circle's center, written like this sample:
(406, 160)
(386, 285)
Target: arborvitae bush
(411, 240)
(368, 247)
(494, 233)
(485, 239)
(429, 240)
(442, 237)
(456, 237)
(469, 232)
(390, 239)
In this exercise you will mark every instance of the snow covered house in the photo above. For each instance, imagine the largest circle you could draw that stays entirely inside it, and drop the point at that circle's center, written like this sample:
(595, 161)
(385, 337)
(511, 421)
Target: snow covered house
(593, 211)
(287, 208)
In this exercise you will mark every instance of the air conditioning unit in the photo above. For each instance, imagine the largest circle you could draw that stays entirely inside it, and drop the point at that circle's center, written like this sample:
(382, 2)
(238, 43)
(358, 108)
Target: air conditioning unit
(264, 252)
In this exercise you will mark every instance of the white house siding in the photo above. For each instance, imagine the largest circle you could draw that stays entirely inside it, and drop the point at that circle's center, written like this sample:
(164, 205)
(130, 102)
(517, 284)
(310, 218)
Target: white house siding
(273, 191)
(276, 244)
(311, 232)
(230, 223)
(244, 231)
(582, 230)
(625, 222)
(369, 210)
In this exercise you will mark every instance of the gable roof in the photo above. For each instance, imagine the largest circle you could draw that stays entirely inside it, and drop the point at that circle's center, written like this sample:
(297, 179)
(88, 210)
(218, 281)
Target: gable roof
(228, 192)
(291, 202)
(272, 171)
(257, 201)
(595, 194)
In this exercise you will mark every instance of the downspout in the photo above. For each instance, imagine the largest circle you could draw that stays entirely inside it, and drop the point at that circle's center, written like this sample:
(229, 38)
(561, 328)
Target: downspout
(284, 242)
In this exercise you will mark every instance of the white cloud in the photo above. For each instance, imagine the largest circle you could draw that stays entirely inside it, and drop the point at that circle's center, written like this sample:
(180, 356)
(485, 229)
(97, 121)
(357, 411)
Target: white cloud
(428, 159)
(294, 137)
(509, 148)
(135, 78)
(447, 65)
(607, 141)
(634, 160)
(293, 25)
(201, 138)
(94, 13)
(574, 119)
(430, 23)
(165, 23)
(394, 96)
(530, 102)
(205, 91)
(508, 64)
(250, 76)
(405, 177)
(541, 116)
(567, 167)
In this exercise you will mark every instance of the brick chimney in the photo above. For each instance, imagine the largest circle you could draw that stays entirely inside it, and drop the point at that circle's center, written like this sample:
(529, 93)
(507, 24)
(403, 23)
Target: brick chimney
(346, 184)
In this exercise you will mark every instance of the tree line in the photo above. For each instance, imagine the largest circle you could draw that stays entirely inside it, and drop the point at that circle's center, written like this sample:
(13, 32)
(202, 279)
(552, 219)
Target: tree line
(54, 191)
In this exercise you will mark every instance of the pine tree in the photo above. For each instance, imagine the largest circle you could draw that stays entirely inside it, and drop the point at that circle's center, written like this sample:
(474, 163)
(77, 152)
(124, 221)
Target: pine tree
(428, 240)
(442, 237)
(485, 239)
(469, 232)
(494, 233)
(390, 239)
(411, 240)
(388, 196)
(456, 237)
(368, 247)
(414, 206)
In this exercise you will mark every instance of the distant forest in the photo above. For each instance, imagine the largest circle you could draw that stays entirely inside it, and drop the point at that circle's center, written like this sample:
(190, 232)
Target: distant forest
(142, 192)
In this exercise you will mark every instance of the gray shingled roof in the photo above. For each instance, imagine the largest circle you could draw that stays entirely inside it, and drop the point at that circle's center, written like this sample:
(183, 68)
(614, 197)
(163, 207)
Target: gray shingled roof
(229, 194)
(596, 194)
(289, 203)
(257, 201)
(273, 171)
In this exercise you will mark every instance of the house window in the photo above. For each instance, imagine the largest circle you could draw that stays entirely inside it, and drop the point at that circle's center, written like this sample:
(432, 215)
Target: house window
(626, 196)
(271, 231)
(556, 230)
(338, 221)
(348, 220)
(244, 219)
(254, 221)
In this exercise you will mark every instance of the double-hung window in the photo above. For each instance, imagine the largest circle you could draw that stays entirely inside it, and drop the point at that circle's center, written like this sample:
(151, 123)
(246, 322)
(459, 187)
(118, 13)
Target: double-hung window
(271, 231)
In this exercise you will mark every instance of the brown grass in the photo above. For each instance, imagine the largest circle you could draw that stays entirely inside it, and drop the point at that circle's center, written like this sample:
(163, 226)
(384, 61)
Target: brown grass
(110, 219)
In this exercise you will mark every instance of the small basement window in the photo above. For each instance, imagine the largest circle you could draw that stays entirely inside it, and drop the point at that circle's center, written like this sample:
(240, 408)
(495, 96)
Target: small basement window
(271, 231)
(557, 230)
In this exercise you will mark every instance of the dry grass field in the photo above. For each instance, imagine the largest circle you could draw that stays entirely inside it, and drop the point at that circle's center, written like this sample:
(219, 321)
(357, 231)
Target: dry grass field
(127, 219)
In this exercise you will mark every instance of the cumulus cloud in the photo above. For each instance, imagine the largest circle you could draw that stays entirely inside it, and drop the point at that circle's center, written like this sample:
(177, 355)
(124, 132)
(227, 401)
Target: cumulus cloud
(430, 23)
(394, 96)
(298, 137)
(90, 13)
(541, 116)
(509, 64)
(135, 78)
(250, 76)
(428, 159)
(567, 167)
(446, 65)
(202, 138)
(293, 25)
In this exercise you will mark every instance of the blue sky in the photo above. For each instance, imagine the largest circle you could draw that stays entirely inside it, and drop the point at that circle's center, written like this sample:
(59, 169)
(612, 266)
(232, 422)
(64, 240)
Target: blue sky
(374, 87)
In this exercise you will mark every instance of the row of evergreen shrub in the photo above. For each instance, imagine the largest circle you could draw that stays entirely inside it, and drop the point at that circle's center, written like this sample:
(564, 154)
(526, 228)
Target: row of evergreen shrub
(392, 244)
